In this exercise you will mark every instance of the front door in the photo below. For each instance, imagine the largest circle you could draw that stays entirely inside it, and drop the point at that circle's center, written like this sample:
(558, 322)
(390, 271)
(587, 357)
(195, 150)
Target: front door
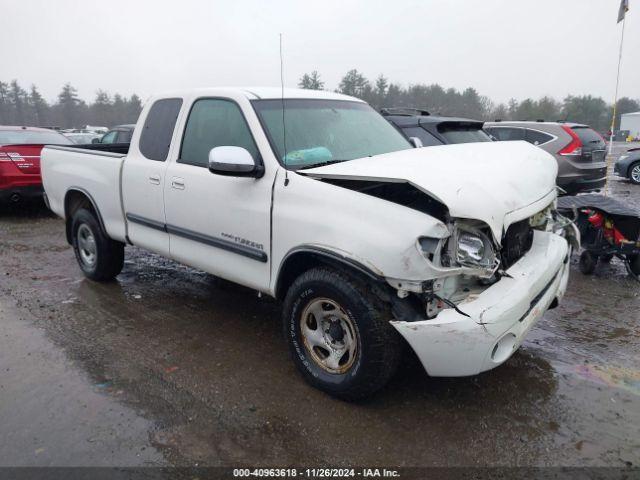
(220, 224)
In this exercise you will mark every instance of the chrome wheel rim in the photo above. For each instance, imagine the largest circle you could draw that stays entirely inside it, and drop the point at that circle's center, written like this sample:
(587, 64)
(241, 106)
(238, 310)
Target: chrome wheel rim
(329, 335)
(635, 173)
(87, 245)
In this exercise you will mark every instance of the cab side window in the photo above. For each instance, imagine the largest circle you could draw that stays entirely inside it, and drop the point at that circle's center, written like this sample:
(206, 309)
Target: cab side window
(214, 123)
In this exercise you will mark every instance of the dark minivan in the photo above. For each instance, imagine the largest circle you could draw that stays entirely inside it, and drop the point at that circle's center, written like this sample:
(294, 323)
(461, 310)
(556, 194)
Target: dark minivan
(433, 130)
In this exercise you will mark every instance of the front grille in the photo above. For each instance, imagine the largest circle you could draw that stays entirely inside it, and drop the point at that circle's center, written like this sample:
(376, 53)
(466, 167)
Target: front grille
(516, 242)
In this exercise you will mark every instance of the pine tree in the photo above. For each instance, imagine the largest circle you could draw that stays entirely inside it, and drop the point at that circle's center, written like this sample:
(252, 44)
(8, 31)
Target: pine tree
(311, 81)
(39, 107)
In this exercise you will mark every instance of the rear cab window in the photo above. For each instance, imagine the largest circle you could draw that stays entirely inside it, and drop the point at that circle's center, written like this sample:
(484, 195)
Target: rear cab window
(155, 139)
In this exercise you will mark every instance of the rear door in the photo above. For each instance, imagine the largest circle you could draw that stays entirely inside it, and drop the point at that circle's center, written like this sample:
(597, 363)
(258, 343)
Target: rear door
(143, 176)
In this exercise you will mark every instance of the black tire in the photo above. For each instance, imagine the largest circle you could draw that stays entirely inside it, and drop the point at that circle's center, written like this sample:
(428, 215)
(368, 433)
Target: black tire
(633, 266)
(108, 255)
(378, 345)
(606, 258)
(635, 167)
(588, 262)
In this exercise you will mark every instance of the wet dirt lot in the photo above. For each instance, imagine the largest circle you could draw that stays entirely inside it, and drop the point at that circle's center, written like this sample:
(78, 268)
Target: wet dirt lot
(169, 366)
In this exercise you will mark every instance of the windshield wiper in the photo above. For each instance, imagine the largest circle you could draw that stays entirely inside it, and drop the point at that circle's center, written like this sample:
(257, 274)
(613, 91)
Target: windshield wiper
(321, 164)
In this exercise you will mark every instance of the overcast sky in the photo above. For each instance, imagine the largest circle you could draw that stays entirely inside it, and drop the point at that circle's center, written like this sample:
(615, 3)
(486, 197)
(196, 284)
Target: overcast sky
(503, 48)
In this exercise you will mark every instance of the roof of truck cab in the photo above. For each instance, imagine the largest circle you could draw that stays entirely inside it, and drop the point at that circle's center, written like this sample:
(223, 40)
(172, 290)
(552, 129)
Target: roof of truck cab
(266, 93)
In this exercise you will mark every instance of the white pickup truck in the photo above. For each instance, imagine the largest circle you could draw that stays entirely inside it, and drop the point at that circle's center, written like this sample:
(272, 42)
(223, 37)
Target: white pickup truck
(314, 199)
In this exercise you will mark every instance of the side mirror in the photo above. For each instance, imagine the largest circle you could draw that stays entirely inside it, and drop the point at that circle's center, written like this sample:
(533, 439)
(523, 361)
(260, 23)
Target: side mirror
(416, 142)
(234, 162)
(95, 140)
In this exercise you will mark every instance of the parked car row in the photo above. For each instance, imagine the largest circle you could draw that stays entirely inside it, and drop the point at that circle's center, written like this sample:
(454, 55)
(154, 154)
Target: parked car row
(579, 150)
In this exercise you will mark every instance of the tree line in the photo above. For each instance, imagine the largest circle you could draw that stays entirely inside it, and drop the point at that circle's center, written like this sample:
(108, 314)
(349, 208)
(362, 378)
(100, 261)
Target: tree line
(381, 93)
(28, 107)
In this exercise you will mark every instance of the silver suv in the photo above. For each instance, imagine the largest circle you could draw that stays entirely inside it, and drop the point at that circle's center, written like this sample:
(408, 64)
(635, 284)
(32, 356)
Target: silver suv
(579, 150)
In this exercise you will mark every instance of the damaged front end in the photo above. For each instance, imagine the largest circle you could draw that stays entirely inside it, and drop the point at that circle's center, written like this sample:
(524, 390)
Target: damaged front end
(489, 294)
(469, 260)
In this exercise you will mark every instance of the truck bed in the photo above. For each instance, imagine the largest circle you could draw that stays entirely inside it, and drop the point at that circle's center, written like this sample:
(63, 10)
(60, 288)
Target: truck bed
(93, 169)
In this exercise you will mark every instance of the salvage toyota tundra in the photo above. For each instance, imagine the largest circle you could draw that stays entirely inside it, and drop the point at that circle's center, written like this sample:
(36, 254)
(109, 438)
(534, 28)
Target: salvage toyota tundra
(315, 199)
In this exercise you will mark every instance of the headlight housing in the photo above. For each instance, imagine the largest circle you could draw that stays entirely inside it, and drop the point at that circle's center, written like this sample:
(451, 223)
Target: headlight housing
(473, 248)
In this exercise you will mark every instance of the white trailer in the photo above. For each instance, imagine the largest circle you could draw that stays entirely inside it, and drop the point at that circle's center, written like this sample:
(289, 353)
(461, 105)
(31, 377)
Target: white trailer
(631, 122)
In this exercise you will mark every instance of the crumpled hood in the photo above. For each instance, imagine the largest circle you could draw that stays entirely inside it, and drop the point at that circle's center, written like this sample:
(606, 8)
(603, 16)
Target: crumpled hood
(483, 181)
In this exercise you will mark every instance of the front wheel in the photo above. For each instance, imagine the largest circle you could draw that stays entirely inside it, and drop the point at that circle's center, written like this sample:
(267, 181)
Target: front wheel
(99, 257)
(339, 334)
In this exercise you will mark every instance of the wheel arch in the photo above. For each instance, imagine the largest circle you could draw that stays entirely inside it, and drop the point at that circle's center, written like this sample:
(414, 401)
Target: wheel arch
(633, 163)
(303, 258)
(74, 199)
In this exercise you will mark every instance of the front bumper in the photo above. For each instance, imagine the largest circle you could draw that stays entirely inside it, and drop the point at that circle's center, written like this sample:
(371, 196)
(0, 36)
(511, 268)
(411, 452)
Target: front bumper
(617, 169)
(452, 344)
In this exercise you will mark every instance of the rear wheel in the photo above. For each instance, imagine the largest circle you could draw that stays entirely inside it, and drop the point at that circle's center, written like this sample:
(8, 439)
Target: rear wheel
(588, 262)
(634, 173)
(339, 334)
(99, 257)
(606, 258)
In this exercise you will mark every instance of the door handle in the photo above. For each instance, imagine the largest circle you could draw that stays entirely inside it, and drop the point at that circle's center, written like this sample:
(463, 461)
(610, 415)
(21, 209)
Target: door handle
(177, 183)
(154, 179)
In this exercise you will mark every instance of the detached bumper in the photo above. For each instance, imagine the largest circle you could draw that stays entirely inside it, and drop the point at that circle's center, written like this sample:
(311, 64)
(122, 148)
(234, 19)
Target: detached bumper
(452, 344)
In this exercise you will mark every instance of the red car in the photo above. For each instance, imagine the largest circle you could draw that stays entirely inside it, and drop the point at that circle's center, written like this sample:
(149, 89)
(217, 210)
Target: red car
(20, 160)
